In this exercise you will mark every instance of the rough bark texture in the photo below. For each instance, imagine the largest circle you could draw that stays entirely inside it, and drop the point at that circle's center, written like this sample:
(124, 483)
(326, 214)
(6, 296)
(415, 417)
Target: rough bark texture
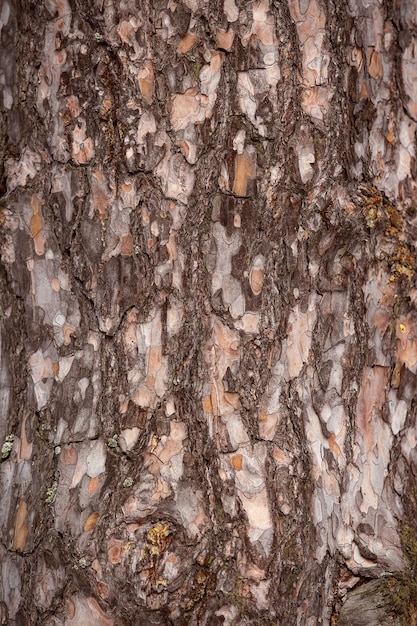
(208, 307)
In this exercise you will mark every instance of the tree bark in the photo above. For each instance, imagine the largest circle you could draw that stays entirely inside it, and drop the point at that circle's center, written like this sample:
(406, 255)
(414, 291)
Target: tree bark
(208, 306)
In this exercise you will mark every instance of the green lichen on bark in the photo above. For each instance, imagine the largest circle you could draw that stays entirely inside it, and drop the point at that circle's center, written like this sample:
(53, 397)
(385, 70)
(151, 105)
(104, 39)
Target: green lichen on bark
(7, 447)
(401, 588)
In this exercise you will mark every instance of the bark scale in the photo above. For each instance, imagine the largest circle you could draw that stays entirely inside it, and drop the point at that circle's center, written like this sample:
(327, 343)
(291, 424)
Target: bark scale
(209, 331)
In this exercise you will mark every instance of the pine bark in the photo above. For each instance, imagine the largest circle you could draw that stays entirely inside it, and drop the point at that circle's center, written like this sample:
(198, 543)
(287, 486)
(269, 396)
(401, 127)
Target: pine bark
(208, 312)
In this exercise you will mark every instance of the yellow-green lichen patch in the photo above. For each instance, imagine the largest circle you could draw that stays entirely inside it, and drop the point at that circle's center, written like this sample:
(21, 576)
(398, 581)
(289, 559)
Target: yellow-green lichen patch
(401, 588)
(372, 206)
(199, 587)
(402, 263)
(380, 215)
(395, 221)
(7, 447)
(51, 493)
(157, 538)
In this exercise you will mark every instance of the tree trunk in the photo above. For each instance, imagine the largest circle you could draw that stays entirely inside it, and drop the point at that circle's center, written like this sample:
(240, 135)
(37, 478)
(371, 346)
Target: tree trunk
(208, 307)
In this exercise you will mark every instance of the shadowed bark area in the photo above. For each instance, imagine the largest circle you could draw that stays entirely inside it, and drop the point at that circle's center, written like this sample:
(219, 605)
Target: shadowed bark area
(208, 345)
